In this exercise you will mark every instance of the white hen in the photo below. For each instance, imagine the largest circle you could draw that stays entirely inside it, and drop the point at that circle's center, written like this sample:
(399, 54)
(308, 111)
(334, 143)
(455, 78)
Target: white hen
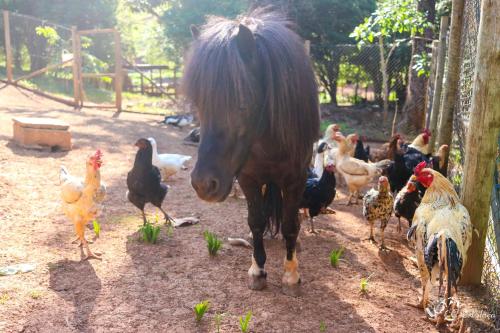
(169, 164)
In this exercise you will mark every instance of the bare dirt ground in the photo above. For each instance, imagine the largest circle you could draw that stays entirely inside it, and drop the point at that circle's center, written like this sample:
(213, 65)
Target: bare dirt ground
(153, 288)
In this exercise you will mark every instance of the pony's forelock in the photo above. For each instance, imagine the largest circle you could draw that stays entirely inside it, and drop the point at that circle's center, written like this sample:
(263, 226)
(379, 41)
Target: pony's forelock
(219, 83)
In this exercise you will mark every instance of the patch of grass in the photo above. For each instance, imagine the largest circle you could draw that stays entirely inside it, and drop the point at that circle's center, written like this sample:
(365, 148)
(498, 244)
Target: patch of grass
(344, 127)
(97, 228)
(36, 294)
(213, 242)
(335, 257)
(363, 284)
(245, 322)
(218, 321)
(200, 309)
(4, 298)
(150, 233)
(322, 326)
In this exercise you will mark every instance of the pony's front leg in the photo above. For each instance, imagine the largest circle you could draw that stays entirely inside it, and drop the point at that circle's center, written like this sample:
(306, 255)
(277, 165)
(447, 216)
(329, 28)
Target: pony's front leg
(257, 223)
(290, 230)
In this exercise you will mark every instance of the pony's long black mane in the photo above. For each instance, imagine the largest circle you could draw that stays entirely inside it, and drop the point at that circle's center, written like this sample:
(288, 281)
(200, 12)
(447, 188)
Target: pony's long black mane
(283, 93)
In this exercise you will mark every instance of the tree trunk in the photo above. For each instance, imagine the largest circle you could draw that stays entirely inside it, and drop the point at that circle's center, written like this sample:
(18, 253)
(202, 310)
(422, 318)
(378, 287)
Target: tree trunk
(482, 137)
(413, 112)
(328, 71)
(385, 76)
(438, 85)
(453, 71)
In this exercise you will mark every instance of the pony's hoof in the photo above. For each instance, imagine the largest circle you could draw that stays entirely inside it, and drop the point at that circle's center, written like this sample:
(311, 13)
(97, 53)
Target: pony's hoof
(257, 282)
(293, 290)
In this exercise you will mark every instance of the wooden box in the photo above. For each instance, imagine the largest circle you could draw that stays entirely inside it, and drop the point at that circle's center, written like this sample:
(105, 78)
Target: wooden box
(39, 133)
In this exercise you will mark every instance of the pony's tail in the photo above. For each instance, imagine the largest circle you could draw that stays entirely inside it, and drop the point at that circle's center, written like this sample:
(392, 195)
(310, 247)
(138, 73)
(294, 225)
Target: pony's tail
(273, 208)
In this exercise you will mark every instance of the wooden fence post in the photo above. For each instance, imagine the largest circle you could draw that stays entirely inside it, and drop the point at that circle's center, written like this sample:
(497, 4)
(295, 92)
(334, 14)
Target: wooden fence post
(481, 147)
(438, 84)
(8, 47)
(75, 67)
(118, 71)
(452, 77)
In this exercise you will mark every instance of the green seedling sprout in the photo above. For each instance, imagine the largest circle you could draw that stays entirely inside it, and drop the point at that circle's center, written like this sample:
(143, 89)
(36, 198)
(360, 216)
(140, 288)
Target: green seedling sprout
(244, 322)
(200, 309)
(97, 228)
(213, 243)
(335, 257)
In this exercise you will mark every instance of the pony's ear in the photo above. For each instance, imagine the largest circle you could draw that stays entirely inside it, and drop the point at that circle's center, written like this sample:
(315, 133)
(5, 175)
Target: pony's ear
(245, 42)
(195, 31)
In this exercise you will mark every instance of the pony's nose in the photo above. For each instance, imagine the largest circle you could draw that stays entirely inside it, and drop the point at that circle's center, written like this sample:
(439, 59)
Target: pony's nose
(205, 187)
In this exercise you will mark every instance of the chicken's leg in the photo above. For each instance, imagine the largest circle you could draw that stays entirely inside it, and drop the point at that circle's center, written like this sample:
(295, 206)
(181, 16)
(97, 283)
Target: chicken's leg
(349, 201)
(399, 224)
(311, 220)
(371, 238)
(144, 218)
(167, 217)
(383, 225)
(80, 231)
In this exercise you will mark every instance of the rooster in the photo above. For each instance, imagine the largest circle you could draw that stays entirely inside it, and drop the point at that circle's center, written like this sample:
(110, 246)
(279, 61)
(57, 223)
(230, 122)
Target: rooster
(421, 142)
(377, 205)
(406, 202)
(319, 193)
(81, 198)
(443, 234)
(356, 173)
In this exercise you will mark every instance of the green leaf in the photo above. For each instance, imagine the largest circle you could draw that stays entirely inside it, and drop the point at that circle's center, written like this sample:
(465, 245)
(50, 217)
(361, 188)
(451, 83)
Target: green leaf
(97, 228)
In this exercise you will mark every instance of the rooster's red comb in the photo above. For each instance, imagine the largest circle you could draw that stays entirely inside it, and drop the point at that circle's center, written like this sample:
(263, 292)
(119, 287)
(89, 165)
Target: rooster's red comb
(427, 131)
(98, 153)
(419, 168)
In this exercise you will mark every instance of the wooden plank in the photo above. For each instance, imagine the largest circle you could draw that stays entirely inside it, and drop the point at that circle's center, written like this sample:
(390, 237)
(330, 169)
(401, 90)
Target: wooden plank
(93, 75)
(42, 70)
(96, 31)
(147, 67)
(8, 47)
(118, 71)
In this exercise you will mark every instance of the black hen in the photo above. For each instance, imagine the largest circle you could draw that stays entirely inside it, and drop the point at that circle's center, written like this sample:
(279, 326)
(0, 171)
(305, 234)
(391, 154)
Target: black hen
(319, 193)
(406, 202)
(360, 152)
(144, 180)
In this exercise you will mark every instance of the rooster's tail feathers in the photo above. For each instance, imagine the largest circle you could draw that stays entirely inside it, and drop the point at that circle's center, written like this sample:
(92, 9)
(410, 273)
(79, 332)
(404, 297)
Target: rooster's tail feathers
(454, 265)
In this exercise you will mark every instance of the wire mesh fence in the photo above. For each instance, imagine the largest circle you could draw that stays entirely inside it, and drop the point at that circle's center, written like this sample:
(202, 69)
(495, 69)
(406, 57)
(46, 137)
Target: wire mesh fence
(358, 76)
(491, 271)
(41, 54)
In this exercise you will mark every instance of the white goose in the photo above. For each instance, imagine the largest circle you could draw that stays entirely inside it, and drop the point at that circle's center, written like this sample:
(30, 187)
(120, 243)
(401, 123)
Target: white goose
(169, 164)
